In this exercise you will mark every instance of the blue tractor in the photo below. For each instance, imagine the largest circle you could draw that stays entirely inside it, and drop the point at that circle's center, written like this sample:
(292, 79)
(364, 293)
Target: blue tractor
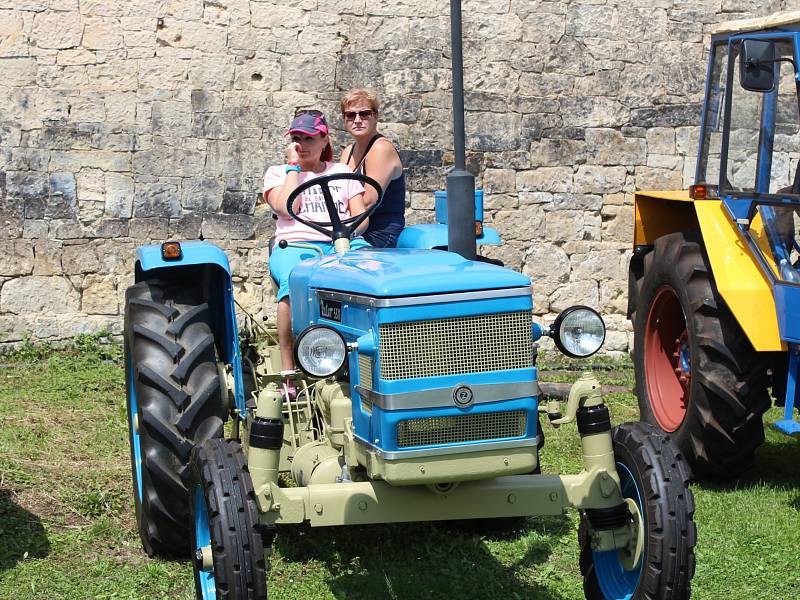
(418, 400)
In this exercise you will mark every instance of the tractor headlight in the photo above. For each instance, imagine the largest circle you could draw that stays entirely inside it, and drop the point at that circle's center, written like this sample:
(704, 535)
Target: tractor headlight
(320, 351)
(579, 331)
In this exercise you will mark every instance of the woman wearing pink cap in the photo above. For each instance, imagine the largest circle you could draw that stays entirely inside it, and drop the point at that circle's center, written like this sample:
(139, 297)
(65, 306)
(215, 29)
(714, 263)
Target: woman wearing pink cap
(309, 155)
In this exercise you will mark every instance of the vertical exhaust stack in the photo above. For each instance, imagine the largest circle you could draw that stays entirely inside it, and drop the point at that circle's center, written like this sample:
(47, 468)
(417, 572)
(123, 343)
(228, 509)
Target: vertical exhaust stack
(460, 182)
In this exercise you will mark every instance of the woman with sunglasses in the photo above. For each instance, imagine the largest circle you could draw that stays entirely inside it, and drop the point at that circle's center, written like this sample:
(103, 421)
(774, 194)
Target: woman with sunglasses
(309, 155)
(374, 155)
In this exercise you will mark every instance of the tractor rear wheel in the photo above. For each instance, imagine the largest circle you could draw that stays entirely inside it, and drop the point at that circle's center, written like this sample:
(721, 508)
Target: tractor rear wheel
(654, 475)
(697, 375)
(174, 399)
(229, 560)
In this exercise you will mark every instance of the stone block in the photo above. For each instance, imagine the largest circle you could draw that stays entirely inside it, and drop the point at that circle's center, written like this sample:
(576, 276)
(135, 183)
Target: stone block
(34, 294)
(157, 199)
(186, 227)
(605, 265)
(16, 257)
(490, 132)
(63, 201)
(148, 228)
(34, 229)
(523, 224)
(661, 140)
(575, 292)
(172, 118)
(590, 179)
(99, 296)
(65, 229)
(545, 179)
(57, 30)
(119, 192)
(497, 181)
(19, 71)
(46, 257)
(611, 147)
(101, 33)
(79, 259)
(75, 160)
(546, 261)
(110, 228)
(227, 227)
(649, 178)
(551, 153)
(201, 193)
(238, 202)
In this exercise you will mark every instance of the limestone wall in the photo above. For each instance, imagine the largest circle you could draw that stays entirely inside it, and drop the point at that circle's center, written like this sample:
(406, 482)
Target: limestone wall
(127, 122)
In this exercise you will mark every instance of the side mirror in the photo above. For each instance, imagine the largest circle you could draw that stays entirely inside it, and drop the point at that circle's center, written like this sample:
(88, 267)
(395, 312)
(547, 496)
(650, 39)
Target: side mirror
(756, 65)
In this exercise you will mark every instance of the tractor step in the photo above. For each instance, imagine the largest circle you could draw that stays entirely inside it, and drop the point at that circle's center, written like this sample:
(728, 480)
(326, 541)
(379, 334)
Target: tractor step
(788, 426)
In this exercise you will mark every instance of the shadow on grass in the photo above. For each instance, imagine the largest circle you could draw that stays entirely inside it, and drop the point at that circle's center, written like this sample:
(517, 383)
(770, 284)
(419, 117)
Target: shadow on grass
(427, 560)
(21, 532)
(776, 463)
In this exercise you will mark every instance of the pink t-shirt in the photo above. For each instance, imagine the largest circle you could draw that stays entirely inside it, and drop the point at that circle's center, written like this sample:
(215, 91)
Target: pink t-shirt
(311, 204)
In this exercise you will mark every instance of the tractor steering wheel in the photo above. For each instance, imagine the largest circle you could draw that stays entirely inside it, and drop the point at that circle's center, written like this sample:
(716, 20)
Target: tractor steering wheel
(336, 228)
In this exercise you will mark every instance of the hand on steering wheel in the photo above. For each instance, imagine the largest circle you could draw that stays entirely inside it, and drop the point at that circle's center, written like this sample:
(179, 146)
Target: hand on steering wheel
(336, 228)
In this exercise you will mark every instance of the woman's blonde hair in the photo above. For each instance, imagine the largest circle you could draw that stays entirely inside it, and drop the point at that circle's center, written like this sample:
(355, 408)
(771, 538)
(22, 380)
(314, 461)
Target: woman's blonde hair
(359, 95)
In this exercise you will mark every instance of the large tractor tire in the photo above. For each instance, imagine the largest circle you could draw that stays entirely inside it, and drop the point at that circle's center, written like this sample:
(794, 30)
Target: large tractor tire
(655, 476)
(697, 375)
(174, 399)
(229, 560)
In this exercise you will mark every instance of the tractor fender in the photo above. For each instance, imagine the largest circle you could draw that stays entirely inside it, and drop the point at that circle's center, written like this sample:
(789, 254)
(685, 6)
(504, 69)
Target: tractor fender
(206, 263)
(431, 236)
(737, 275)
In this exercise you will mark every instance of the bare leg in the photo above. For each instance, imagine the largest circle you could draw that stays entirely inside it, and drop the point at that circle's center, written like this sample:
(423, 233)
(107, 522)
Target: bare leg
(285, 336)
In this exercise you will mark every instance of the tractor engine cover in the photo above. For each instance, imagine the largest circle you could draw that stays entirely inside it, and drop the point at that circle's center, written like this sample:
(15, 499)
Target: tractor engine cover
(444, 365)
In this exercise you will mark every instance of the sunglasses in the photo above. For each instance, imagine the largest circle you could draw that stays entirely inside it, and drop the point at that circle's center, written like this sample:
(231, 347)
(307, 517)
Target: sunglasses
(351, 115)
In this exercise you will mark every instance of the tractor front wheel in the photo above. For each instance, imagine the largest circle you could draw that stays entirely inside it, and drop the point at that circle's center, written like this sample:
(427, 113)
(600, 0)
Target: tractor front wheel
(229, 560)
(174, 400)
(697, 375)
(654, 475)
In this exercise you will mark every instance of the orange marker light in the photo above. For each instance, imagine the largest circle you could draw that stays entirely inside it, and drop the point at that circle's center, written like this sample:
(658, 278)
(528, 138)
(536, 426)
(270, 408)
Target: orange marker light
(703, 191)
(171, 251)
(478, 228)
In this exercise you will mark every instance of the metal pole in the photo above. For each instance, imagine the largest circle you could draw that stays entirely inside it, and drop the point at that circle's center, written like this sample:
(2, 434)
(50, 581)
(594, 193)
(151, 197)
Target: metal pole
(460, 182)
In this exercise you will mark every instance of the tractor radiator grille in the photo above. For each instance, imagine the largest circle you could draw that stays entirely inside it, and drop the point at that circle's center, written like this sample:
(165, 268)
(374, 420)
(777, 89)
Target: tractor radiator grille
(461, 428)
(365, 371)
(493, 342)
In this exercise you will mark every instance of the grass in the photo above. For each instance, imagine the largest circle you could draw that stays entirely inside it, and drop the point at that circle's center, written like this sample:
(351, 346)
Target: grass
(67, 527)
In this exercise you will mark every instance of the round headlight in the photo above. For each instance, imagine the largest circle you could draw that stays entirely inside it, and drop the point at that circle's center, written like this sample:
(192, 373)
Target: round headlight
(320, 351)
(579, 331)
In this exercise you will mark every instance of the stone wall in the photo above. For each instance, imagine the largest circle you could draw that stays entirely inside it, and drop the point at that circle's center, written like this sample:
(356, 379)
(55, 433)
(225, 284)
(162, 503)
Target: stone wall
(127, 122)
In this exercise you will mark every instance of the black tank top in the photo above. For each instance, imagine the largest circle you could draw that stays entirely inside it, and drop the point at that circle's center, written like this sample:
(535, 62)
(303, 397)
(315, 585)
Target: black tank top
(388, 220)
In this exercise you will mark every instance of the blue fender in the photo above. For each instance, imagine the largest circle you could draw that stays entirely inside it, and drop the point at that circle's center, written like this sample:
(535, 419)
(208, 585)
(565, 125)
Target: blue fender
(149, 263)
(435, 236)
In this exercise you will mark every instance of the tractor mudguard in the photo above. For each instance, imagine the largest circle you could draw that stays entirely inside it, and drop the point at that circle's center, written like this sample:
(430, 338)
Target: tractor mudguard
(435, 236)
(208, 264)
(737, 275)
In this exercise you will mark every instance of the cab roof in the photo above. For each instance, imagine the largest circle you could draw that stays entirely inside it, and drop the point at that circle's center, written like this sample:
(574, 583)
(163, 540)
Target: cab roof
(781, 19)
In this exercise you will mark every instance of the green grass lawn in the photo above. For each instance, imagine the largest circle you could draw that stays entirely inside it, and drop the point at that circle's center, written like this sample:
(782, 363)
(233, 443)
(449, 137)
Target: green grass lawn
(67, 527)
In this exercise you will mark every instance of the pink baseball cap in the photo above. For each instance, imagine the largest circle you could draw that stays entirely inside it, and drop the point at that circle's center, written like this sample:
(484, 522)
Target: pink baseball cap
(310, 122)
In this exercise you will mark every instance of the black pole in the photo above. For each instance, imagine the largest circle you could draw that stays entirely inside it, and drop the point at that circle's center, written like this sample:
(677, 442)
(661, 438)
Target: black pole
(460, 182)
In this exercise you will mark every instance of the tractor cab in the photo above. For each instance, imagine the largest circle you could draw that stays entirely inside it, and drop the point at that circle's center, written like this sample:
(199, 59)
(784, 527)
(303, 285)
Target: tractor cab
(750, 156)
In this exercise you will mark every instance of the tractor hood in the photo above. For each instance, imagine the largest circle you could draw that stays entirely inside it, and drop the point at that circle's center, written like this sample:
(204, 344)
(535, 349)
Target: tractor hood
(390, 272)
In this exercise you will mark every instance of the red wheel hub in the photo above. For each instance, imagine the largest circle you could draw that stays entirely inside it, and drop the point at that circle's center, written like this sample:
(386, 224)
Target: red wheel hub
(667, 360)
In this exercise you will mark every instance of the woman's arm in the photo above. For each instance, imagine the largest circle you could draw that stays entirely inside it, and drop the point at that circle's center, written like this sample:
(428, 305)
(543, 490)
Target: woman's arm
(382, 164)
(277, 196)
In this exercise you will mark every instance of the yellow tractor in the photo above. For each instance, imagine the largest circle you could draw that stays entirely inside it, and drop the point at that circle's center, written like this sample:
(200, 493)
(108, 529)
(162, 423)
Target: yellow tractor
(714, 280)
